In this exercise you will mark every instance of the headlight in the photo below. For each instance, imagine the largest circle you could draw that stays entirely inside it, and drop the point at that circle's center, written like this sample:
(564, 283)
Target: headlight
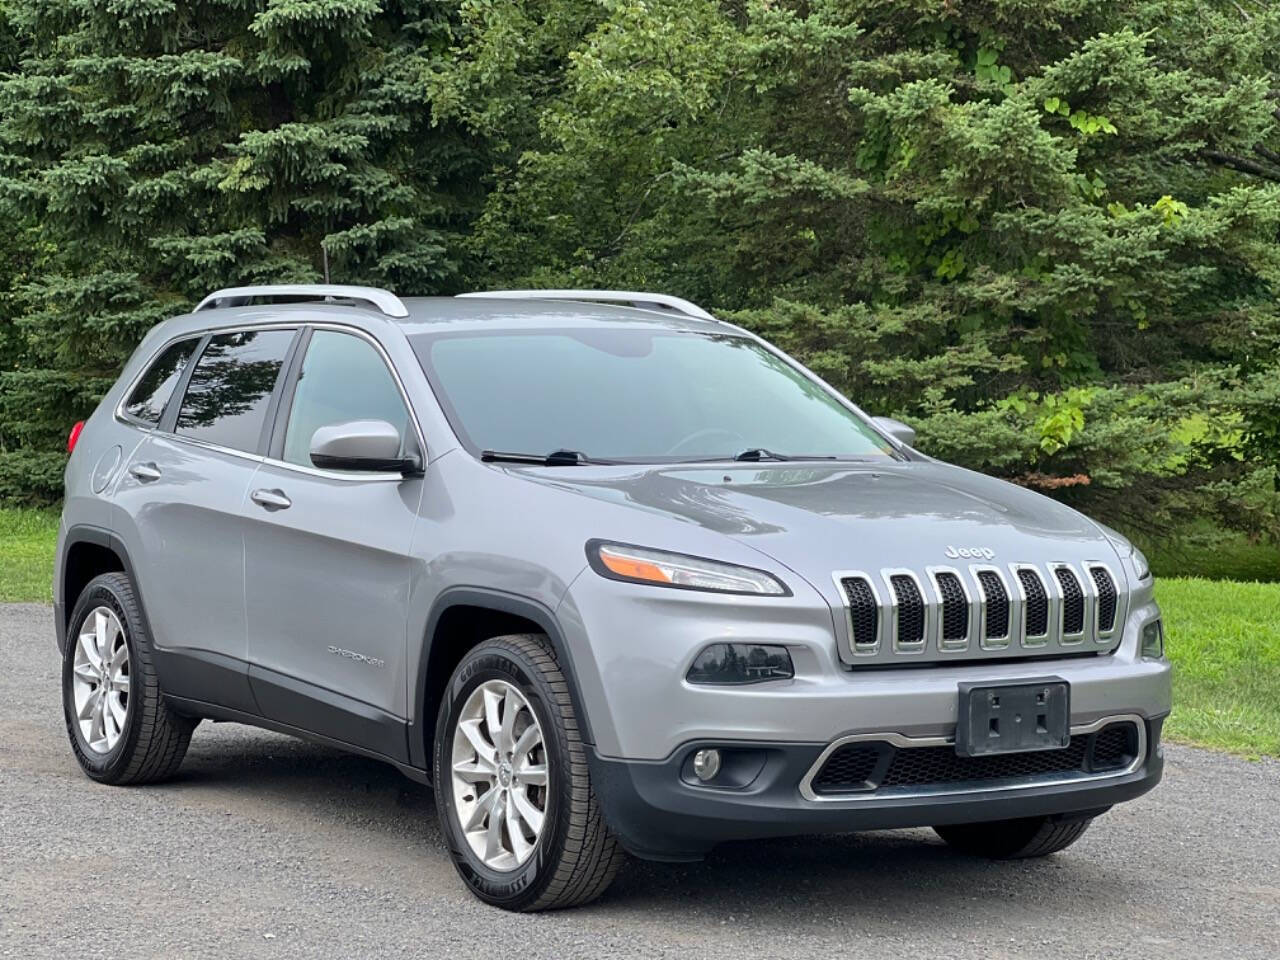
(620, 561)
(1140, 565)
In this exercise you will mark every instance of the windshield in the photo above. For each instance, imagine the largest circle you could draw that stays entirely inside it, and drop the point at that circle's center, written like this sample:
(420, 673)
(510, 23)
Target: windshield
(636, 395)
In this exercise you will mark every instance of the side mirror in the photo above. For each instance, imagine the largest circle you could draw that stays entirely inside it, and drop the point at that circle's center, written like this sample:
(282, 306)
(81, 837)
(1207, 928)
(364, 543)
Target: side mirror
(897, 429)
(366, 445)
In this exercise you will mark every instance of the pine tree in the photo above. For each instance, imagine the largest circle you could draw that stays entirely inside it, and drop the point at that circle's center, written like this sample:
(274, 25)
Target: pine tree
(1043, 231)
(168, 148)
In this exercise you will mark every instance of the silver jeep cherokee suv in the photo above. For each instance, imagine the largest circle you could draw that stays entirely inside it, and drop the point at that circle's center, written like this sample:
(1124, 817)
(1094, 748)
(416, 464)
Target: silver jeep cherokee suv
(608, 573)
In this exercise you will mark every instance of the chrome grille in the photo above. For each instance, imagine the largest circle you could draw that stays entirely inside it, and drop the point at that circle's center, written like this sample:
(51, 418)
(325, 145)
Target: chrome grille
(1105, 586)
(910, 611)
(1072, 601)
(864, 612)
(980, 611)
(995, 623)
(955, 609)
(1035, 604)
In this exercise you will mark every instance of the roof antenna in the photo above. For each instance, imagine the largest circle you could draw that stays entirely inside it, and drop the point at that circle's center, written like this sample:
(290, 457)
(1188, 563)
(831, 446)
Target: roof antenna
(324, 252)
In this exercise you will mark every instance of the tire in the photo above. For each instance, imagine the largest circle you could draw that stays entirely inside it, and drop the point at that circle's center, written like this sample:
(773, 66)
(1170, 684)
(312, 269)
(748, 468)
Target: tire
(573, 857)
(1014, 839)
(150, 742)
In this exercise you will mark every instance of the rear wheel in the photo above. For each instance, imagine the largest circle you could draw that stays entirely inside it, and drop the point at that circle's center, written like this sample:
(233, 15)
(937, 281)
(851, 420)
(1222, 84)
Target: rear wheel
(121, 729)
(1014, 839)
(511, 781)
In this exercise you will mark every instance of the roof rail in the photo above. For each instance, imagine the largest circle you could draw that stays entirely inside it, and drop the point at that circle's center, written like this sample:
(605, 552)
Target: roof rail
(383, 300)
(646, 301)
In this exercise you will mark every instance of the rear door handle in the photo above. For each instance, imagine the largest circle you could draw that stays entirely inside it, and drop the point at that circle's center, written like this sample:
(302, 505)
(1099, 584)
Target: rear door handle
(144, 472)
(271, 499)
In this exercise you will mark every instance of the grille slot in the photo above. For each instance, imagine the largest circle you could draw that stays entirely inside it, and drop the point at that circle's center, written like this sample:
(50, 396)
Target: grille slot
(1114, 747)
(1035, 609)
(862, 767)
(911, 611)
(864, 612)
(1106, 598)
(955, 610)
(1072, 601)
(996, 623)
(849, 768)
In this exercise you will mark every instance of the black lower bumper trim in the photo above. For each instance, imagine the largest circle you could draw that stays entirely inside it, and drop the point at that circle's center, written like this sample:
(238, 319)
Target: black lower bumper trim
(659, 815)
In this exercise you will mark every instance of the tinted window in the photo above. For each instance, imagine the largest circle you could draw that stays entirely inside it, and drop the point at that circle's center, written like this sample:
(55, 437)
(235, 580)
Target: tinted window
(343, 378)
(226, 400)
(149, 397)
(637, 394)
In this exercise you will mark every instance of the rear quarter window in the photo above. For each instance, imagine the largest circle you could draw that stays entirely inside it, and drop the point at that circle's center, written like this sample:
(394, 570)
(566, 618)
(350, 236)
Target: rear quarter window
(147, 401)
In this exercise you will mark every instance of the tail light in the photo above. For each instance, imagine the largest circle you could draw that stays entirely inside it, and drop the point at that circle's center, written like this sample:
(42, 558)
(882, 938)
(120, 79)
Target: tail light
(74, 435)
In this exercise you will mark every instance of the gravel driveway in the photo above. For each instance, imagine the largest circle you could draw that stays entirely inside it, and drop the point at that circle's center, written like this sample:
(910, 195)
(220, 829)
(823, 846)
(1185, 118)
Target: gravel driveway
(269, 847)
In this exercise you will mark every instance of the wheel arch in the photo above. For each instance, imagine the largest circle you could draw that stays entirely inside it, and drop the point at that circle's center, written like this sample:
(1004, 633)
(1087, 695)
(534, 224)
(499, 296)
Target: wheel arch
(460, 618)
(89, 551)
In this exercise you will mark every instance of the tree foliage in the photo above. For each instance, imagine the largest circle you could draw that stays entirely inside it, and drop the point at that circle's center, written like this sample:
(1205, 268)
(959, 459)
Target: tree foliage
(1045, 233)
(160, 149)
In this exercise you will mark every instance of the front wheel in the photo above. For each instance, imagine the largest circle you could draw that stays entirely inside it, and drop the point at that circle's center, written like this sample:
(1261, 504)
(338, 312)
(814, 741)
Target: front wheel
(512, 785)
(1014, 839)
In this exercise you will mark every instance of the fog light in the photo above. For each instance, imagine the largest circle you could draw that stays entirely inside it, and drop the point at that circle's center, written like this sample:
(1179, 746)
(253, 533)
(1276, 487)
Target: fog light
(733, 663)
(1153, 640)
(706, 764)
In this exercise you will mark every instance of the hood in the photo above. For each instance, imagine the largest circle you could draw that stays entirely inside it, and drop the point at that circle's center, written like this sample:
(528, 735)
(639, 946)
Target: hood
(817, 518)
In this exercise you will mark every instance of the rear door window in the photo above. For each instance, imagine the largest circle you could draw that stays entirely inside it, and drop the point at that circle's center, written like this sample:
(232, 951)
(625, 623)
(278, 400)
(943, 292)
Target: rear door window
(147, 401)
(230, 389)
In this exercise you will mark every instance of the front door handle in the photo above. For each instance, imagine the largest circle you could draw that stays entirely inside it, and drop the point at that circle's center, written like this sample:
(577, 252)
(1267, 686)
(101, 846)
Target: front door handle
(144, 472)
(271, 499)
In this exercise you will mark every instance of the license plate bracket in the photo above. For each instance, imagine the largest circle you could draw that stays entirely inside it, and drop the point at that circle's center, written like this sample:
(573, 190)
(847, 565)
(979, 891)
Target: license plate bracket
(1014, 716)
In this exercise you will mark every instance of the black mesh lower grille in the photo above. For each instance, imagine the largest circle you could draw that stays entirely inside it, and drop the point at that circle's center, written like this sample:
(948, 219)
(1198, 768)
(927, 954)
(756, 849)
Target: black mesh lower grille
(849, 768)
(1036, 614)
(1114, 746)
(863, 612)
(858, 767)
(1072, 602)
(955, 608)
(1106, 598)
(910, 609)
(997, 618)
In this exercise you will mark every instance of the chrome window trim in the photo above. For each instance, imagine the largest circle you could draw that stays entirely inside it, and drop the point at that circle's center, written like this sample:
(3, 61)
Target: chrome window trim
(1003, 641)
(296, 325)
(939, 621)
(1117, 623)
(1070, 639)
(866, 650)
(898, 740)
(1027, 639)
(895, 645)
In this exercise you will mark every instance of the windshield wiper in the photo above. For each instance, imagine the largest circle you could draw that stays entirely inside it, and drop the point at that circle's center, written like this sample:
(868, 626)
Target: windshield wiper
(556, 458)
(756, 454)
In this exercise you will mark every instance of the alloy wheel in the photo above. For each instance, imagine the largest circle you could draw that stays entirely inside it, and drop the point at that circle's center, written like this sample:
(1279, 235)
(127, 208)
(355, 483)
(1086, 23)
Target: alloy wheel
(100, 679)
(499, 775)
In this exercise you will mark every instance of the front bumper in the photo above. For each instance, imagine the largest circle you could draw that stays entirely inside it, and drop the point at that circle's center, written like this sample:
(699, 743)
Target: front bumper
(659, 816)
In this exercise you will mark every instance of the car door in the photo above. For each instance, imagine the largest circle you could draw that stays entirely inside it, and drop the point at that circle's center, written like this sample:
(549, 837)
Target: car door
(326, 556)
(179, 509)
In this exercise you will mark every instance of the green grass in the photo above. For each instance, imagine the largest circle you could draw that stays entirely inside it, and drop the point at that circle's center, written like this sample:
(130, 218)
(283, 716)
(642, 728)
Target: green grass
(1223, 638)
(26, 554)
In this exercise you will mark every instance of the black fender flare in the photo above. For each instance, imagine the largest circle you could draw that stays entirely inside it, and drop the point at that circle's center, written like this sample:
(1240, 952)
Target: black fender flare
(99, 537)
(502, 602)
